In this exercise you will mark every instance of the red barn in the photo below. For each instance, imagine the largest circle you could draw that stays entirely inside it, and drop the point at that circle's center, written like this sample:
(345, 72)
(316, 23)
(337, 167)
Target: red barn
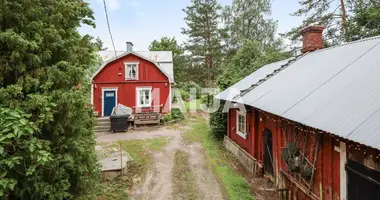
(312, 123)
(141, 80)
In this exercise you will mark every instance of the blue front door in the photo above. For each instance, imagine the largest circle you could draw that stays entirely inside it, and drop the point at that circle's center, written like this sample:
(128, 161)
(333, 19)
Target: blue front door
(109, 102)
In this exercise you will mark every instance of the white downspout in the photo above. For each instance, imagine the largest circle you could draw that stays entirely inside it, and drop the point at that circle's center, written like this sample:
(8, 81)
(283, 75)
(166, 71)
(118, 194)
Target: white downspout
(343, 173)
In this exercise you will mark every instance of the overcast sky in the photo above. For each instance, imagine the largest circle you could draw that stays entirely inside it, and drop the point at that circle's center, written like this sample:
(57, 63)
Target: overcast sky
(142, 21)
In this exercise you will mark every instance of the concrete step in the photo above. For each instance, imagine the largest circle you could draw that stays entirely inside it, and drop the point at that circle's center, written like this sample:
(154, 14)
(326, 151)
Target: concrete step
(102, 119)
(103, 126)
(103, 123)
(106, 129)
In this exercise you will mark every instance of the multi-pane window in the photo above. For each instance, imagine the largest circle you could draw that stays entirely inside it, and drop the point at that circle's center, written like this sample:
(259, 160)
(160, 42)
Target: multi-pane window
(131, 71)
(241, 124)
(144, 97)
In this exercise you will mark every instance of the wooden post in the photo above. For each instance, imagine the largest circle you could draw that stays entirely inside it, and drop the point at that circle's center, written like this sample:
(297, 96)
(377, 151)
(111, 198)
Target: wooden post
(121, 160)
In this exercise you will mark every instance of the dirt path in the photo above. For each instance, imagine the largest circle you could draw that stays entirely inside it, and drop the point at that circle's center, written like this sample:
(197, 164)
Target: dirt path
(158, 181)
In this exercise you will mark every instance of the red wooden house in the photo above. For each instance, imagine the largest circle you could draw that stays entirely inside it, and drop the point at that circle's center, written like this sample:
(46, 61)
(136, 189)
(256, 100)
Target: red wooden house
(141, 80)
(312, 123)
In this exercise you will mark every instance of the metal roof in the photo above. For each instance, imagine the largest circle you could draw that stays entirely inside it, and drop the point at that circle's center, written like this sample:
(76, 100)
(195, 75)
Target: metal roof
(243, 84)
(163, 58)
(336, 90)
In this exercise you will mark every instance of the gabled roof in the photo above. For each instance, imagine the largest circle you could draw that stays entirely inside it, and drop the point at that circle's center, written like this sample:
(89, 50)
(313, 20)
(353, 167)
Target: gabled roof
(336, 90)
(162, 59)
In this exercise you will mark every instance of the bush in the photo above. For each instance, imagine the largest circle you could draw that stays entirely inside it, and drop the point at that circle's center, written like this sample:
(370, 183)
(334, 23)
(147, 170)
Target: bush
(167, 117)
(184, 94)
(218, 123)
(176, 114)
(187, 87)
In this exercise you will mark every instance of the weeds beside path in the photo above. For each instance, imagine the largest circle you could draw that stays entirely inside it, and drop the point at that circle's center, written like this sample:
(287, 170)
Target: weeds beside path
(234, 185)
(184, 184)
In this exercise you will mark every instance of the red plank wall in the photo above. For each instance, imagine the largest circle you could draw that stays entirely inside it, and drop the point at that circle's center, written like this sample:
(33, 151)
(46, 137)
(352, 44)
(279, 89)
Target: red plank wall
(326, 178)
(149, 76)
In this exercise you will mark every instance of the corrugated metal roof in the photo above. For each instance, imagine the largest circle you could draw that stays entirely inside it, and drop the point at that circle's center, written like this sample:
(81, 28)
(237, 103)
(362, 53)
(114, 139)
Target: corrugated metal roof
(245, 83)
(335, 89)
(163, 58)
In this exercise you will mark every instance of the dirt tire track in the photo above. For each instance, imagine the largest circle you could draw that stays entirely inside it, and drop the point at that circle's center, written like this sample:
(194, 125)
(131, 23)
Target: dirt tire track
(157, 184)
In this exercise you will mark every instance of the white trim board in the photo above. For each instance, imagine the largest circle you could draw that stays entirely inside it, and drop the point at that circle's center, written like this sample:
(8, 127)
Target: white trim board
(92, 94)
(343, 173)
(138, 96)
(108, 89)
(243, 135)
(126, 70)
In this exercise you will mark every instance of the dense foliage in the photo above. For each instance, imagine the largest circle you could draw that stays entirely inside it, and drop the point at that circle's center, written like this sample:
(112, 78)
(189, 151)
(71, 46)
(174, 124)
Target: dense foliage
(177, 114)
(180, 60)
(218, 123)
(204, 40)
(345, 20)
(250, 20)
(248, 59)
(46, 140)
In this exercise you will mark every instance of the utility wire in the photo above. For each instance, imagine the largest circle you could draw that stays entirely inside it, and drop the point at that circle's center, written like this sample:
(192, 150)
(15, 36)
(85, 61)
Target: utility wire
(109, 27)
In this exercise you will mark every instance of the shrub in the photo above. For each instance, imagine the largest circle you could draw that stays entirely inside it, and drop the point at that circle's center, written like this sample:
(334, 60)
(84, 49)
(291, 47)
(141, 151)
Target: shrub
(176, 113)
(187, 87)
(184, 94)
(218, 123)
(167, 117)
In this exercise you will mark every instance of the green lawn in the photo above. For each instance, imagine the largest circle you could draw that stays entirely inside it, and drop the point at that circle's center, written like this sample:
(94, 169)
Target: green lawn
(234, 185)
(196, 102)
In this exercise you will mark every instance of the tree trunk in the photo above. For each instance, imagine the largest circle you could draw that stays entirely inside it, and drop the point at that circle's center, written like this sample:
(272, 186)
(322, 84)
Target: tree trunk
(344, 21)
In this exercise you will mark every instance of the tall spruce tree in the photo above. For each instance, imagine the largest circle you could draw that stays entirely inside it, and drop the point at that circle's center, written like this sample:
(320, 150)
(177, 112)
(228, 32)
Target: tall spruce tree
(249, 20)
(46, 126)
(204, 43)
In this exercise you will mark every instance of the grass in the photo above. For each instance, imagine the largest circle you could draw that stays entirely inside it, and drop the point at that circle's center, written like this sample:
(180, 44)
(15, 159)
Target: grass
(234, 185)
(139, 151)
(184, 185)
(197, 103)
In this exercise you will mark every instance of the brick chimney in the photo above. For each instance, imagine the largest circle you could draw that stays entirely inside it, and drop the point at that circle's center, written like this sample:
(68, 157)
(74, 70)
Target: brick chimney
(312, 38)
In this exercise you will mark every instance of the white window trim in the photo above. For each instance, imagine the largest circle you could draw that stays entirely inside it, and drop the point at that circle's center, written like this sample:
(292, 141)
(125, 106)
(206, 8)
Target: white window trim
(126, 70)
(138, 89)
(241, 134)
(108, 89)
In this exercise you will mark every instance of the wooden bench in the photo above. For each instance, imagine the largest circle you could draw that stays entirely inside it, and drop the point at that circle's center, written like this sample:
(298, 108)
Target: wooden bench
(147, 118)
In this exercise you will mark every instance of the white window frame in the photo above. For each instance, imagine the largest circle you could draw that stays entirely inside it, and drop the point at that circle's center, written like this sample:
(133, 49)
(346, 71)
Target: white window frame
(127, 72)
(106, 90)
(138, 104)
(239, 132)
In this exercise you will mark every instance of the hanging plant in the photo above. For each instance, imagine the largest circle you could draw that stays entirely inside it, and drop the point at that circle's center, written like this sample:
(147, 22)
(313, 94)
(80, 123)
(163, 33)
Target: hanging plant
(289, 153)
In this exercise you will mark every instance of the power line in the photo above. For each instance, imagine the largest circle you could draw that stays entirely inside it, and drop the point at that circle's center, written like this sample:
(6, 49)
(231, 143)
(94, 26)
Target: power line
(109, 27)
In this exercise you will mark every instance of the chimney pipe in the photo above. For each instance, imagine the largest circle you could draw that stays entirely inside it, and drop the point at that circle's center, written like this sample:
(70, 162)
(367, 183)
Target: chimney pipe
(312, 38)
(129, 47)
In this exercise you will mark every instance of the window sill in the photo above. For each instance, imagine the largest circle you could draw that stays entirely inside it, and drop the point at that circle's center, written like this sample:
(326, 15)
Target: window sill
(243, 135)
(142, 106)
(131, 79)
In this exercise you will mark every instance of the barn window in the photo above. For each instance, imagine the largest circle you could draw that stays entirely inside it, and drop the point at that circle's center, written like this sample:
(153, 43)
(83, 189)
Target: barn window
(131, 71)
(241, 124)
(144, 97)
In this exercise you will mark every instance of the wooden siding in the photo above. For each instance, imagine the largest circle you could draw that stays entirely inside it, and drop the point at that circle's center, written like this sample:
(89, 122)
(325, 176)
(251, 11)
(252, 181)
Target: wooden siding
(326, 182)
(147, 71)
(148, 76)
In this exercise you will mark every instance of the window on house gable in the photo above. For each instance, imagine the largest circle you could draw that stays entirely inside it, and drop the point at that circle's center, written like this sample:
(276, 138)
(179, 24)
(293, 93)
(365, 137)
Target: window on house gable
(131, 71)
(144, 96)
(241, 124)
